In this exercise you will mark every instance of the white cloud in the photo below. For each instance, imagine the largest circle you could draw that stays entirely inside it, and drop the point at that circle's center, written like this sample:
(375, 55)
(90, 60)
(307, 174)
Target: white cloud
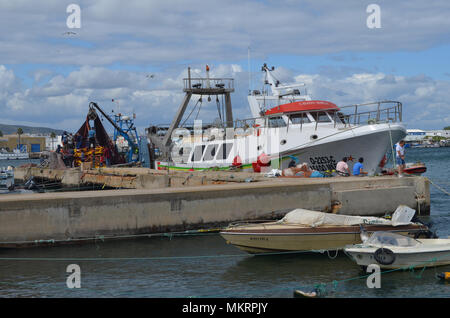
(147, 32)
(63, 101)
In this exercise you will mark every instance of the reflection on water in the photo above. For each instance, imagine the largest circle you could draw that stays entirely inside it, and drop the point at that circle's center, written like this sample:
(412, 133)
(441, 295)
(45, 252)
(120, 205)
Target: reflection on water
(183, 267)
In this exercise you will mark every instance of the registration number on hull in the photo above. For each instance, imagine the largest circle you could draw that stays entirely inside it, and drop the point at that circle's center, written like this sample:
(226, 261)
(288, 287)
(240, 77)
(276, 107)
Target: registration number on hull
(323, 163)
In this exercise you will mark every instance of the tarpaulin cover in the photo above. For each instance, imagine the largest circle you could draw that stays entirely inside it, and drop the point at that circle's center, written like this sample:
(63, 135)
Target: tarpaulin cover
(401, 216)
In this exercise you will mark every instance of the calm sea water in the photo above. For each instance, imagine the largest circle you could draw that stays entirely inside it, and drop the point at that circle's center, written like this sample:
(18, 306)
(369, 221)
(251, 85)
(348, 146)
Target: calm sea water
(205, 266)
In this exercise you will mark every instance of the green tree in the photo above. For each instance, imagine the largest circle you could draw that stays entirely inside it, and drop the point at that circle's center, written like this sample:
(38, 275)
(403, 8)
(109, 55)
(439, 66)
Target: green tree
(447, 128)
(19, 133)
(1, 133)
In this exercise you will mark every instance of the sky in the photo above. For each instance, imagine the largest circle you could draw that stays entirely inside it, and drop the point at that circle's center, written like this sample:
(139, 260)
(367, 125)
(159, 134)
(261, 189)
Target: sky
(137, 53)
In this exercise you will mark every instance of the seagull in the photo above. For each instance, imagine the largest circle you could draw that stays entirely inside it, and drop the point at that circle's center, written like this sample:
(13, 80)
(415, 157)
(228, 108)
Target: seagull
(69, 33)
(150, 76)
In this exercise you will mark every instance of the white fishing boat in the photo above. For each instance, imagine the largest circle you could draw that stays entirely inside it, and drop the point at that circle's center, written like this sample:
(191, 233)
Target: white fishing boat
(286, 125)
(391, 250)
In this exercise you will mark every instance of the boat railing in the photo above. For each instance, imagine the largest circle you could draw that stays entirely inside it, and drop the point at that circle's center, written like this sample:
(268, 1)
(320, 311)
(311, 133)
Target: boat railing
(204, 85)
(370, 113)
(348, 116)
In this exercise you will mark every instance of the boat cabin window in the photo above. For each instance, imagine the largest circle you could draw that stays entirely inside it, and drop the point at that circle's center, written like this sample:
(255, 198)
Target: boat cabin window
(298, 119)
(276, 122)
(210, 152)
(198, 153)
(224, 151)
(321, 117)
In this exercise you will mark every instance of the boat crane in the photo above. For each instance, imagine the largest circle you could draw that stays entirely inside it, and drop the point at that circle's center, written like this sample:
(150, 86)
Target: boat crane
(123, 126)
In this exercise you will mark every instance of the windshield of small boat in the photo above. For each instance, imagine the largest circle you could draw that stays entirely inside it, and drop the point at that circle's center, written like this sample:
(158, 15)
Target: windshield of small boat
(392, 239)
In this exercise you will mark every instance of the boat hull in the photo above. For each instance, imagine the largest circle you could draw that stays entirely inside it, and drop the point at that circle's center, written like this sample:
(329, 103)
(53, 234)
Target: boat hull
(284, 238)
(370, 142)
(402, 259)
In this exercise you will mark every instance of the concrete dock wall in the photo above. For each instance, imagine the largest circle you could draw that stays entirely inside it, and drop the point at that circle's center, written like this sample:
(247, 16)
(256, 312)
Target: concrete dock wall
(27, 219)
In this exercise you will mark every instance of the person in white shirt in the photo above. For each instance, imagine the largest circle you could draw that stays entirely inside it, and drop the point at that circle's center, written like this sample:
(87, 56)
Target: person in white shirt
(342, 168)
(400, 156)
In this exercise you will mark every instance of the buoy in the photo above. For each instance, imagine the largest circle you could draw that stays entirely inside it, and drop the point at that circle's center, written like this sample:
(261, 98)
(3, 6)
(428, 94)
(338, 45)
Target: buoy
(263, 160)
(256, 167)
(444, 276)
(237, 161)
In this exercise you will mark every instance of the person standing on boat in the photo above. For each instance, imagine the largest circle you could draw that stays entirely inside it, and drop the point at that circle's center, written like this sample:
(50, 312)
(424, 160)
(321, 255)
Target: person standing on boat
(342, 168)
(400, 156)
(358, 168)
(91, 135)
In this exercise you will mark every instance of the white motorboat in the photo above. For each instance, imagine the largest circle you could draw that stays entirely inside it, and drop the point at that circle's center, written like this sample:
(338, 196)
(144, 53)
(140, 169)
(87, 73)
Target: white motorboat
(390, 250)
(286, 125)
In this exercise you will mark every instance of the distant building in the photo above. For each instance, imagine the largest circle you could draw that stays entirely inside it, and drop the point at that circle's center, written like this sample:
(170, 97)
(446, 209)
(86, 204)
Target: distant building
(416, 135)
(52, 144)
(438, 133)
(27, 143)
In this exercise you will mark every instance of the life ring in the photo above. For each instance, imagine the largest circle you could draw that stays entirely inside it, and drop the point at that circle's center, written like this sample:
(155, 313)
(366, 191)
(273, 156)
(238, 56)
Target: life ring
(384, 256)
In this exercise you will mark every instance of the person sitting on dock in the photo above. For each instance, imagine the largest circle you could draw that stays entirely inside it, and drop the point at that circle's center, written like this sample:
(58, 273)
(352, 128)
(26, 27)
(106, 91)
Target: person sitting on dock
(302, 171)
(292, 169)
(342, 168)
(358, 168)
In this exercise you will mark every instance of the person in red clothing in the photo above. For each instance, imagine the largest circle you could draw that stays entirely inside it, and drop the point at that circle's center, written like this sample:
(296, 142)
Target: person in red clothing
(107, 156)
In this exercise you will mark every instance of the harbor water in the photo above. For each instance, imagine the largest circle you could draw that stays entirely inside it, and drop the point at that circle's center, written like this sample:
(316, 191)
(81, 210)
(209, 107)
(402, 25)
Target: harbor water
(205, 266)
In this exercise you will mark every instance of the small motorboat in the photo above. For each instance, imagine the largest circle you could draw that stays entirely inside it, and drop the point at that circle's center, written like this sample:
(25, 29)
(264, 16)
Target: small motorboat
(415, 168)
(391, 250)
(305, 230)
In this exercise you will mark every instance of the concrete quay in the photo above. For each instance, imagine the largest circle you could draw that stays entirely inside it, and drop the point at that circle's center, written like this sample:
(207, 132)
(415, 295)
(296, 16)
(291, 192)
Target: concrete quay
(68, 217)
(133, 178)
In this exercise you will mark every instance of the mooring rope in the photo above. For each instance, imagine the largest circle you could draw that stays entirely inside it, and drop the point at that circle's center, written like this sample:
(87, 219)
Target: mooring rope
(438, 187)
(321, 288)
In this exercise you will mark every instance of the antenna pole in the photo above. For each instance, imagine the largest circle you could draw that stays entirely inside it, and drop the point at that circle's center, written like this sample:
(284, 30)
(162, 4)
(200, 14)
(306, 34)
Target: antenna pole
(249, 72)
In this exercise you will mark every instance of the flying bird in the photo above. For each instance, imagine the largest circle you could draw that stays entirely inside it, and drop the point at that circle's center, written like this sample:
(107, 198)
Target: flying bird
(69, 33)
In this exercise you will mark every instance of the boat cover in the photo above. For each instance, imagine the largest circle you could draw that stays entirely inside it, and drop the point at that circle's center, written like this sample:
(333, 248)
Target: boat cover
(401, 216)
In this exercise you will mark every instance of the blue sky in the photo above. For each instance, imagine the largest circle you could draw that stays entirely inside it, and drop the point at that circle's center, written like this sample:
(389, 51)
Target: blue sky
(48, 77)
